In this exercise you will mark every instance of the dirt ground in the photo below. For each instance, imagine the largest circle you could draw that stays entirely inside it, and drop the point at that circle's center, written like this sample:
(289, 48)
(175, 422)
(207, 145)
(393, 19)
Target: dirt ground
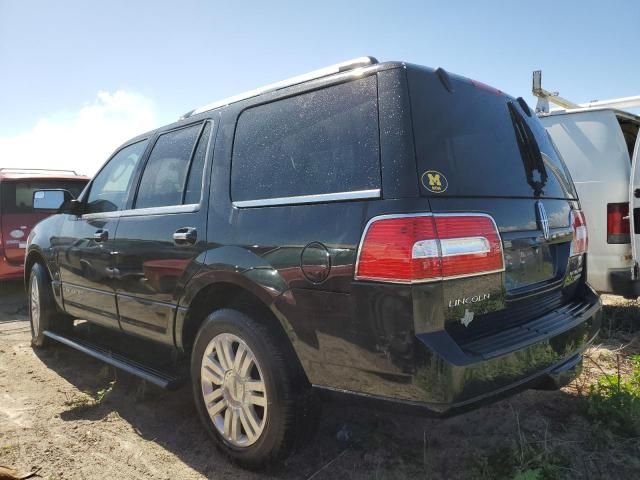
(72, 417)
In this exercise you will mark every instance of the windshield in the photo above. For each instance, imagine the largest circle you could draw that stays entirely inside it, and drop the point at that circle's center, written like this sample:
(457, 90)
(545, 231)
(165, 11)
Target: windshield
(17, 196)
(480, 142)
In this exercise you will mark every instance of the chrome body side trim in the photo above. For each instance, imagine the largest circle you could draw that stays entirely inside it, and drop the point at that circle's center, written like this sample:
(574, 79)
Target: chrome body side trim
(300, 199)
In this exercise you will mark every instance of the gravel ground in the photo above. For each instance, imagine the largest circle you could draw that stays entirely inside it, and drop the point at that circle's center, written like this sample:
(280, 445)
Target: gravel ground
(50, 420)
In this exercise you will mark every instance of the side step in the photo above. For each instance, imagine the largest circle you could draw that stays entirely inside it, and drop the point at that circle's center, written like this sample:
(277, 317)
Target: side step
(162, 379)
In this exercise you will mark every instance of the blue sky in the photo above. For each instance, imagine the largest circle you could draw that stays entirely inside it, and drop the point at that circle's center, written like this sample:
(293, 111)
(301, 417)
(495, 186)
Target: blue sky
(105, 71)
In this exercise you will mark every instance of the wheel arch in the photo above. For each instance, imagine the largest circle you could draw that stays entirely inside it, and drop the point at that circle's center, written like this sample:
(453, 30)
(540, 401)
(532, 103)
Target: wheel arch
(36, 256)
(252, 300)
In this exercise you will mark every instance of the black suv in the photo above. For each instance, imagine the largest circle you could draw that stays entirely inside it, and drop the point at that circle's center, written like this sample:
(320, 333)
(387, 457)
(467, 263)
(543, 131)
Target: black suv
(383, 230)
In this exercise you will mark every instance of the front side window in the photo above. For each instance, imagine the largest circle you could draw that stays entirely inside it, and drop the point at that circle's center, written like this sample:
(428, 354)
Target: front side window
(111, 186)
(163, 180)
(318, 143)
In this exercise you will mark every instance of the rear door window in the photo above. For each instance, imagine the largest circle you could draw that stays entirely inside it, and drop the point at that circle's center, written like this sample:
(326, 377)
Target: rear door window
(165, 174)
(468, 140)
(318, 143)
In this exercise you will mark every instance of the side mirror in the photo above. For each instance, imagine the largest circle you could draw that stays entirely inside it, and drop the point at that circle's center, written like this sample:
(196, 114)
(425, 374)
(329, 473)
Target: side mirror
(55, 201)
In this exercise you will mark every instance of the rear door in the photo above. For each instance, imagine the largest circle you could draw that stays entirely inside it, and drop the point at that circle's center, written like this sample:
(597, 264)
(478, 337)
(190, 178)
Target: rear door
(18, 217)
(480, 151)
(161, 236)
(634, 201)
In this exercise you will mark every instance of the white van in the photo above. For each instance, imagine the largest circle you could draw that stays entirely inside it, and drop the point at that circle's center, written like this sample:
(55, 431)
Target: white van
(600, 147)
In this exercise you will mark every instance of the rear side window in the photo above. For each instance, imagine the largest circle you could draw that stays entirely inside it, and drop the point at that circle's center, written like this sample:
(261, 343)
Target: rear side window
(17, 196)
(318, 143)
(165, 173)
(469, 142)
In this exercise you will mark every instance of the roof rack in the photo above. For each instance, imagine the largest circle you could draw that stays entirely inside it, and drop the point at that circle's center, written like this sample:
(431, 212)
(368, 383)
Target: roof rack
(315, 74)
(37, 171)
(544, 97)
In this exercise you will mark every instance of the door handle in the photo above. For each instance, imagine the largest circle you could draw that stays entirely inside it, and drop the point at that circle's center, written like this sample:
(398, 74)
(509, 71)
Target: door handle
(101, 236)
(185, 236)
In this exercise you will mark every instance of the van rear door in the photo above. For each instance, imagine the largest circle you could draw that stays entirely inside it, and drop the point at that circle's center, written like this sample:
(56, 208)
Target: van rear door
(634, 212)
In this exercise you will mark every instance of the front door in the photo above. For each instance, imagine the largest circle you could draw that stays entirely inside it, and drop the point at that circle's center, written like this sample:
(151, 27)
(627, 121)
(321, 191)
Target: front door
(161, 236)
(85, 246)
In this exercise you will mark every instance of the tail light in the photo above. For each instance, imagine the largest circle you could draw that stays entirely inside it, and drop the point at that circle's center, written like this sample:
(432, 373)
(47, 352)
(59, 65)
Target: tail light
(426, 247)
(618, 230)
(580, 236)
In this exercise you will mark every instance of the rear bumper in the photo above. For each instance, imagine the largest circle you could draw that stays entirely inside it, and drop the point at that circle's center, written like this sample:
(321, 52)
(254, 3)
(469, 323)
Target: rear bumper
(622, 283)
(546, 352)
(449, 378)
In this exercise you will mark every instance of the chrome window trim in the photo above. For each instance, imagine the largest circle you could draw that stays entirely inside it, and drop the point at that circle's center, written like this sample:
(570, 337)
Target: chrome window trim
(317, 198)
(428, 280)
(137, 212)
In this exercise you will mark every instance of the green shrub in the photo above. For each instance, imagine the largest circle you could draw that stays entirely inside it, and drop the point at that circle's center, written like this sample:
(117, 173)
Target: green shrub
(614, 401)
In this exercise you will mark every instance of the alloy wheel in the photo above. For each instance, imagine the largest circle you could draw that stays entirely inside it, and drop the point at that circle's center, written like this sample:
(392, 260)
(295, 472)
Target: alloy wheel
(234, 390)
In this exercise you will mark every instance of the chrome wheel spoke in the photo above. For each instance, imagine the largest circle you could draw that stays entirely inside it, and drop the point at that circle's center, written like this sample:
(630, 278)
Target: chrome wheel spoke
(233, 390)
(250, 422)
(235, 426)
(211, 397)
(257, 400)
(212, 370)
(255, 386)
(245, 368)
(240, 356)
(217, 408)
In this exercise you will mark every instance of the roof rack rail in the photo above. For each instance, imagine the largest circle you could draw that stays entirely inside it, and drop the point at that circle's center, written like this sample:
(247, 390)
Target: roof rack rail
(305, 77)
(37, 171)
(544, 97)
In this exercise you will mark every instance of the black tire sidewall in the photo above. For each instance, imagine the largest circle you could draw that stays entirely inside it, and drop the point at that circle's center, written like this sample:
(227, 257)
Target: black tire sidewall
(275, 376)
(37, 338)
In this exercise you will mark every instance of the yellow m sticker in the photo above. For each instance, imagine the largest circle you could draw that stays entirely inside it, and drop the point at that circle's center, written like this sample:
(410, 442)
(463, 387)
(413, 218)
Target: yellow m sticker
(434, 179)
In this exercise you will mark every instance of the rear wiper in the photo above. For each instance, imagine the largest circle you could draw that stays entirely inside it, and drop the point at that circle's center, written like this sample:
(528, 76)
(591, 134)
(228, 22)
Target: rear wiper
(530, 152)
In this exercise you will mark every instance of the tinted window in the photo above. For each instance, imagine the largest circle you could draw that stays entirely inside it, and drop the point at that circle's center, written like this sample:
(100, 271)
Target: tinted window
(164, 175)
(17, 196)
(481, 141)
(320, 142)
(194, 183)
(110, 187)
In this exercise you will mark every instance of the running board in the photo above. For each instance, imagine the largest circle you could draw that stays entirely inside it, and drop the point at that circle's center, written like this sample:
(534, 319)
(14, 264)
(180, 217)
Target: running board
(161, 379)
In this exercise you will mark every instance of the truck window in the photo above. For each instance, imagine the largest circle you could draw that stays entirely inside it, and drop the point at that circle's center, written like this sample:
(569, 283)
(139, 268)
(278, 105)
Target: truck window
(322, 142)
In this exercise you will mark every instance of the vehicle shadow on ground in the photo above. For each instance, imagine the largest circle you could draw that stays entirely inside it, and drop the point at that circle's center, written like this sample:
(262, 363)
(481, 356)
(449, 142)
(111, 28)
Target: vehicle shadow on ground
(351, 441)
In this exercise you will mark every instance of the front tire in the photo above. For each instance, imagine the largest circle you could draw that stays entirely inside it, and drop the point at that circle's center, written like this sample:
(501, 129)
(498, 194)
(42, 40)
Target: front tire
(43, 311)
(248, 391)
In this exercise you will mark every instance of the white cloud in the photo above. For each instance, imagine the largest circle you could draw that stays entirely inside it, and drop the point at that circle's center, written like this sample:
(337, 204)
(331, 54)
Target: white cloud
(80, 140)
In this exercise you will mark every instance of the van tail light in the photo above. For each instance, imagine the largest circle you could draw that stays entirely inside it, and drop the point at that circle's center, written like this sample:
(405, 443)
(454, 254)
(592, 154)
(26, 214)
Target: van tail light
(618, 230)
(426, 247)
(580, 240)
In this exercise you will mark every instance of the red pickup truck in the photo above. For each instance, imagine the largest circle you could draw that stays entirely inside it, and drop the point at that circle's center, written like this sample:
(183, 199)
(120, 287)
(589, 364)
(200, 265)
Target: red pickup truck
(17, 217)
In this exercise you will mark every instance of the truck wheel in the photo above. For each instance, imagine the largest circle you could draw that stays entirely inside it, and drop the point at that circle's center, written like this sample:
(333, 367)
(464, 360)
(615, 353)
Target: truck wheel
(248, 392)
(43, 311)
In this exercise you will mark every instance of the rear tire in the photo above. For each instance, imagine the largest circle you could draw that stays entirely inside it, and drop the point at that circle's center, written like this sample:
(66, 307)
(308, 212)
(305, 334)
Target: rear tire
(43, 311)
(248, 391)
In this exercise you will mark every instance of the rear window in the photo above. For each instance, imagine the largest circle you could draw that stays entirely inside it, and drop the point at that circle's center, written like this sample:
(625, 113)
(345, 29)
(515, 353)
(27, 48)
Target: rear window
(17, 196)
(318, 143)
(475, 141)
